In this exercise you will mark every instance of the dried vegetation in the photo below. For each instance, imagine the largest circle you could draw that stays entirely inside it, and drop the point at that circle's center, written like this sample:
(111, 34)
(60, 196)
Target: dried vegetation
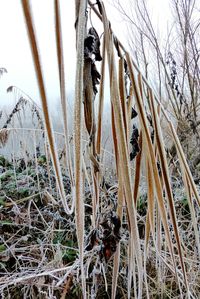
(67, 228)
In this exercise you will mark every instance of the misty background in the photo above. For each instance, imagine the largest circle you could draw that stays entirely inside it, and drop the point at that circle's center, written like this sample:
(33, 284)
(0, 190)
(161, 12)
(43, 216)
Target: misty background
(16, 57)
(15, 54)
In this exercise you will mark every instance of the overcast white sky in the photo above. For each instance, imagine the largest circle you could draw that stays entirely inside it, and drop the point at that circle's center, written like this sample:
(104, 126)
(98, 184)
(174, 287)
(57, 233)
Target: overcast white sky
(15, 54)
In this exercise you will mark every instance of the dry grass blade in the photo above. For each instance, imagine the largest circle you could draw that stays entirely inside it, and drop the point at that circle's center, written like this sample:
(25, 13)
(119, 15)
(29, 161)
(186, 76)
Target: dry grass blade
(165, 173)
(67, 287)
(123, 152)
(184, 162)
(188, 183)
(114, 138)
(189, 190)
(137, 171)
(79, 205)
(116, 261)
(60, 55)
(151, 156)
(192, 211)
(126, 118)
(48, 124)
(151, 204)
(122, 95)
(101, 101)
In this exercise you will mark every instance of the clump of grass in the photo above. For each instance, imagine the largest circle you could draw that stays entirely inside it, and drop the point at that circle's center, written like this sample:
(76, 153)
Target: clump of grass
(19, 105)
(23, 101)
(3, 136)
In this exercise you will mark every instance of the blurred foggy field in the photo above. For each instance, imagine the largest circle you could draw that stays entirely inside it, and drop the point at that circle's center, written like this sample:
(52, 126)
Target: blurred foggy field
(26, 132)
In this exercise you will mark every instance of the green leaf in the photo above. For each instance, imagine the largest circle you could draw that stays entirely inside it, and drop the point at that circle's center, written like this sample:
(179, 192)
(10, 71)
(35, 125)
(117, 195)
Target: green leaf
(6, 175)
(2, 247)
(6, 222)
(2, 201)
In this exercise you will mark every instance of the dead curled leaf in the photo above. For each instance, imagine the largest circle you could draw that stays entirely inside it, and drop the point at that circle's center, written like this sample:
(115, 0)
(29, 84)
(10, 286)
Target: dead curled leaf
(106, 235)
(134, 143)
(91, 78)
(92, 45)
(95, 77)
